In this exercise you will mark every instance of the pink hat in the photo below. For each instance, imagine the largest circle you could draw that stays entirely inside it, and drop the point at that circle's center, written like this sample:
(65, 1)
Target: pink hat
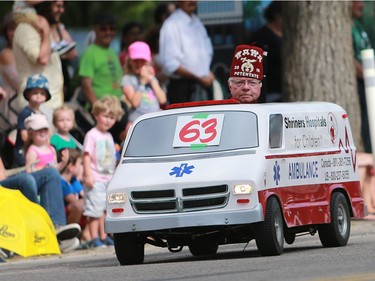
(139, 50)
(36, 122)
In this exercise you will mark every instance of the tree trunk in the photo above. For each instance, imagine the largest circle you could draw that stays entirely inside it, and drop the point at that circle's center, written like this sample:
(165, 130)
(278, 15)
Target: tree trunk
(318, 56)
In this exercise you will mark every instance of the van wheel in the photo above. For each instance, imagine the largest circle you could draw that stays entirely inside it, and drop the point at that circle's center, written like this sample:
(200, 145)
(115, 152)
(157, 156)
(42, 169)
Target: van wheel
(203, 249)
(129, 248)
(270, 233)
(337, 232)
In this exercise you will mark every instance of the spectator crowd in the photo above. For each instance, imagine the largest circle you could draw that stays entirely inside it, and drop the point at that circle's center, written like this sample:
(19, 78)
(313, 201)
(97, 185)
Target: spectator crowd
(67, 175)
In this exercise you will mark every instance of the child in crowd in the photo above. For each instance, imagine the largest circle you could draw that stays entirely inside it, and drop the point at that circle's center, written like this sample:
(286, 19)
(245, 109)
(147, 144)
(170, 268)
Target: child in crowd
(63, 120)
(139, 84)
(38, 151)
(39, 155)
(36, 93)
(73, 191)
(99, 162)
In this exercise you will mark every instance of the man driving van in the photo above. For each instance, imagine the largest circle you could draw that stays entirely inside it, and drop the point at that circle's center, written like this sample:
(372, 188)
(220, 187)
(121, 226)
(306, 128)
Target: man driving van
(246, 74)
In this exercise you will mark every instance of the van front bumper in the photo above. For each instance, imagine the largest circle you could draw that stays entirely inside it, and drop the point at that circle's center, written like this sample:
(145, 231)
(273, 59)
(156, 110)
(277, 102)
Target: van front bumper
(152, 222)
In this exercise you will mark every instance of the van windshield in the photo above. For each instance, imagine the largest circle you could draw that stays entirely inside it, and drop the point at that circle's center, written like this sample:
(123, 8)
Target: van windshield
(188, 133)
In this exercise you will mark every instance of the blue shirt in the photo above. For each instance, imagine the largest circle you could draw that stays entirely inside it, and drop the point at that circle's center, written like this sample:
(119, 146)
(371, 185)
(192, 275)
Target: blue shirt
(74, 187)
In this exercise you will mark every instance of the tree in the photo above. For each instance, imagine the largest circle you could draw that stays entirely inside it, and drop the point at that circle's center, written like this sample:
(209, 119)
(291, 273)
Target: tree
(318, 56)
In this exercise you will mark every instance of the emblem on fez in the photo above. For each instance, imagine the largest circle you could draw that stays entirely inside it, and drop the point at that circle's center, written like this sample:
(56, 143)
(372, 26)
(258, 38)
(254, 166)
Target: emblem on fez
(247, 65)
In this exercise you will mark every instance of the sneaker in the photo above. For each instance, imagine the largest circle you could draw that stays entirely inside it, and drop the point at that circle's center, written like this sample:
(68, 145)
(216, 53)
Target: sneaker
(108, 241)
(69, 231)
(96, 243)
(84, 245)
(4, 253)
(69, 245)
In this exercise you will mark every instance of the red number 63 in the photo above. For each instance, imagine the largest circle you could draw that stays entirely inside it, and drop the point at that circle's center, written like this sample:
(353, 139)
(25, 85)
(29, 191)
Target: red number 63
(192, 131)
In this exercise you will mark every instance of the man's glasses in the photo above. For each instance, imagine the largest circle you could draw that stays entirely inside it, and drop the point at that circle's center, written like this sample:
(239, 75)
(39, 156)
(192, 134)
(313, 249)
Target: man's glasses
(240, 83)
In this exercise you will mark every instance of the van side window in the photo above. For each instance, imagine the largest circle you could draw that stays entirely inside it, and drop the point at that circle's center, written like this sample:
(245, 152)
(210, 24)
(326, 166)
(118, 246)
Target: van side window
(276, 131)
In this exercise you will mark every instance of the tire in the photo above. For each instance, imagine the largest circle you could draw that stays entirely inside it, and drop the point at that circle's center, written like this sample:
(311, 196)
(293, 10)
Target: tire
(129, 248)
(270, 233)
(337, 232)
(203, 249)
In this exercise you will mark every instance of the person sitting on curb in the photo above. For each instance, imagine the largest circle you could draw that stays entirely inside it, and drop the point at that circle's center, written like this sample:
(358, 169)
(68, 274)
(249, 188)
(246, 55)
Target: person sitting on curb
(47, 184)
(73, 193)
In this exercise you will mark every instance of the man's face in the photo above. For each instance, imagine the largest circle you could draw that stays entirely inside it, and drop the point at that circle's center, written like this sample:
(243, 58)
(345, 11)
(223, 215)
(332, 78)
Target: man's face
(357, 9)
(104, 34)
(134, 34)
(245, 90)
(188, 7)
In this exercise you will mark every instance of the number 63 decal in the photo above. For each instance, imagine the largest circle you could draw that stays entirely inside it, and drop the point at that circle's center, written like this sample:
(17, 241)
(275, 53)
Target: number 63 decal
(201, 129)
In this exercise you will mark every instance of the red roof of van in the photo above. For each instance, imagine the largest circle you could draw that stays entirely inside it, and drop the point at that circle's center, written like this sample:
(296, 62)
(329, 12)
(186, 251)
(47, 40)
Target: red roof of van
(202, 103)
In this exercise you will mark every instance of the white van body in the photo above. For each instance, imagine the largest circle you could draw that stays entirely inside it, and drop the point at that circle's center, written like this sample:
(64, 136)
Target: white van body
(208, 175)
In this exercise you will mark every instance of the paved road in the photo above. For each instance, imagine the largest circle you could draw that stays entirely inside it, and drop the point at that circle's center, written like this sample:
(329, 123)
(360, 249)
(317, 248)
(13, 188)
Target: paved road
(305, 260)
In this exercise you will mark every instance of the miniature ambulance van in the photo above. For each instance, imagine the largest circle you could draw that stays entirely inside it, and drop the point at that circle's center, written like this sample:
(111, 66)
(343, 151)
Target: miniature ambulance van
(208, 175)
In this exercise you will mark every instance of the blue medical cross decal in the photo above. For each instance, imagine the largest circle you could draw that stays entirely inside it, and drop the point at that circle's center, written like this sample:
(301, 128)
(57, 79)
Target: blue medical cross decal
(276, 173)
(183, 169)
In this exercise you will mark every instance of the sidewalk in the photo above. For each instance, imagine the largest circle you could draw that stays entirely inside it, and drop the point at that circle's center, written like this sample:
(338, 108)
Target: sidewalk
(91, 252)
(363, 225)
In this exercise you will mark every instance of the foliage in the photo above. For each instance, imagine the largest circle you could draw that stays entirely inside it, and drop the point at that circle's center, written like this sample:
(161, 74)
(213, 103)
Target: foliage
(5, 7)
(79, 14)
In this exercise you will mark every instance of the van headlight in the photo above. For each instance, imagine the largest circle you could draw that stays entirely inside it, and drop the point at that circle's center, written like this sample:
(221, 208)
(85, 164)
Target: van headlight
(242, 189)
(116, 198)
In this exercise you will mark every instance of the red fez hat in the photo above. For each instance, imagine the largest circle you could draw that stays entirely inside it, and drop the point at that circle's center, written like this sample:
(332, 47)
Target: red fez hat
(247, 62)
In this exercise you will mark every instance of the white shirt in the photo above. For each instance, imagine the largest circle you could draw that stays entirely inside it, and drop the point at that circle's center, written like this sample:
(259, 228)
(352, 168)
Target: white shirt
(184, 42)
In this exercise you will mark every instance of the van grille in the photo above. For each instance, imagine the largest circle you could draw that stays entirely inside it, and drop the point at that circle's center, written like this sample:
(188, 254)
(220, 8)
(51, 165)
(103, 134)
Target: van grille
(192, 199)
